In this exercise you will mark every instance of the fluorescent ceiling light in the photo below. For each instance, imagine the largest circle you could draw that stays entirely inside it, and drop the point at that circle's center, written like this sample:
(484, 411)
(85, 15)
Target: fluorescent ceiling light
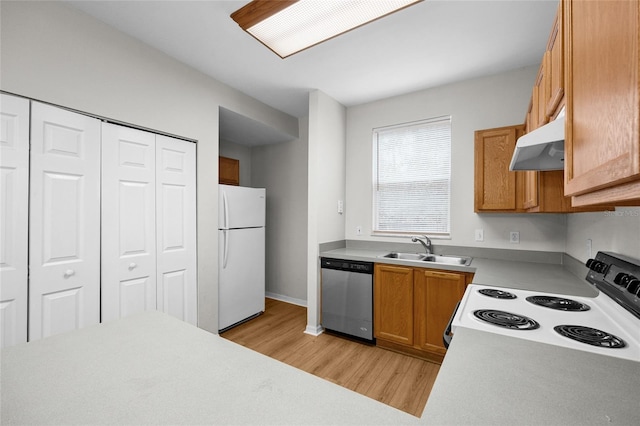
(287, 27)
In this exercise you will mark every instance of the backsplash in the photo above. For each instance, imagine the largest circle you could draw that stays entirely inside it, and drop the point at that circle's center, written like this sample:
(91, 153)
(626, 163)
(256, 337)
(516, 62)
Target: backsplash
(617, 231)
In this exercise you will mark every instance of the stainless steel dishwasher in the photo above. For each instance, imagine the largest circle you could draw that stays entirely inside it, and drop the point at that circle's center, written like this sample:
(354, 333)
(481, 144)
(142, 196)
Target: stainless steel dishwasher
(347, 297)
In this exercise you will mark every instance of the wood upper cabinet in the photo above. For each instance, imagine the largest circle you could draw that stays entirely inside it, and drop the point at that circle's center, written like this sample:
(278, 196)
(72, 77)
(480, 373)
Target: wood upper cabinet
(602, 144)
(229, 171)
(412, 307)
(496, 188)
(540, 93)
(436, 294)
(393, 303)
(554, 62)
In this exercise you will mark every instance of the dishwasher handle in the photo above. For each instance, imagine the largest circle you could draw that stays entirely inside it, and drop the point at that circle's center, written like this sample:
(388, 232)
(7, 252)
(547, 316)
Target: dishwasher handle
(447, 336)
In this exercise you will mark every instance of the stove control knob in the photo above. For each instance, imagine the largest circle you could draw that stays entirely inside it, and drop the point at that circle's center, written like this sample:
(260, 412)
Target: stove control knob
(597, 266)
(633, 286)
(621, 279)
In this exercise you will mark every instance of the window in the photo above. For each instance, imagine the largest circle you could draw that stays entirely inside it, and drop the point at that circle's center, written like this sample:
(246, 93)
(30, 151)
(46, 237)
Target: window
(412, 178)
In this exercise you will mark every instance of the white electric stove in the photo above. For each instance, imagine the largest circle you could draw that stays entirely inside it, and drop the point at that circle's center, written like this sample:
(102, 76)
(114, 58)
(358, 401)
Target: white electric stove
(608, 324)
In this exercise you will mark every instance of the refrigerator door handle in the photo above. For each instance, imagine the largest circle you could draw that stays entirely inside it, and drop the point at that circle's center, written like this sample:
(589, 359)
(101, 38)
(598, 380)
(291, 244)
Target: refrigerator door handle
(225, 255)
(225, 205)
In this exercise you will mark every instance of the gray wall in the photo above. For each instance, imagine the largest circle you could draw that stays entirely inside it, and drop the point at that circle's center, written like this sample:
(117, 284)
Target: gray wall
(482, 103)
(57, 54)
(617, 231)
(282, 169)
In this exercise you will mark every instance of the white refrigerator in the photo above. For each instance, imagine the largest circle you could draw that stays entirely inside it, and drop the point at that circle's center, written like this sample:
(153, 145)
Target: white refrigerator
(241, 248)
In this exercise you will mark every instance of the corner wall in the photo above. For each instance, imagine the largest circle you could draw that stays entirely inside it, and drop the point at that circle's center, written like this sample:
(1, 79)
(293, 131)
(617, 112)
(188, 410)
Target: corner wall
(617, 231)
(326, 156)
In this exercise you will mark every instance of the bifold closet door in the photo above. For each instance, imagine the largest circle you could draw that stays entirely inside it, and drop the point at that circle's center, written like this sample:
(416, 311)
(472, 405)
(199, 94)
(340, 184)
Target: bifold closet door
(64, 221)
(14, 205)
(176, 227)
(128, 221)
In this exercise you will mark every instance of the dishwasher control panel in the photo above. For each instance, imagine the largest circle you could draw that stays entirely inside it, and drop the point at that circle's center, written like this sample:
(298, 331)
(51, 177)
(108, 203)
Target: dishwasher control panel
(347, 265)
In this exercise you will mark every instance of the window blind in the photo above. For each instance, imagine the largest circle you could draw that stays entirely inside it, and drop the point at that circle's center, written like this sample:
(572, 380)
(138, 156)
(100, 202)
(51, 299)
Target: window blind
(412, 177)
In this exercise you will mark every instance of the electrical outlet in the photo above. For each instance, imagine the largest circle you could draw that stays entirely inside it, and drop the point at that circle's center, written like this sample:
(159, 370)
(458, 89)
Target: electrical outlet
(589, 254)
(514, 237)
(479, 234)
(358, 230)
(340, 207)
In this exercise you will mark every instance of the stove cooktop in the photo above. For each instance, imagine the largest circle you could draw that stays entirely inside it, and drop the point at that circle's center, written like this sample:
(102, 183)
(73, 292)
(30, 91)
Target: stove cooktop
(595, 325)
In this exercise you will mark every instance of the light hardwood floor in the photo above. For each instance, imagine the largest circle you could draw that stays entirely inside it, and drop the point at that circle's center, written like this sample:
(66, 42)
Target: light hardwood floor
(394, 379)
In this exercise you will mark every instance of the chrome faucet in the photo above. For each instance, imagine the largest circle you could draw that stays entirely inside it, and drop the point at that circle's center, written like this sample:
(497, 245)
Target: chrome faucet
(428, 247)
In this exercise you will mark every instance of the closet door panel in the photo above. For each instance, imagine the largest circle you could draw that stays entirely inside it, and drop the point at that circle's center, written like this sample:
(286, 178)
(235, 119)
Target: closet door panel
(64, 221)
(176, 227)
(14, 203)
(128, 222)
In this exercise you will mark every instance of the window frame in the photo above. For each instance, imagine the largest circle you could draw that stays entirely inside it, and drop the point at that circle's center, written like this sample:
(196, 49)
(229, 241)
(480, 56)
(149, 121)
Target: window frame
(445, 234)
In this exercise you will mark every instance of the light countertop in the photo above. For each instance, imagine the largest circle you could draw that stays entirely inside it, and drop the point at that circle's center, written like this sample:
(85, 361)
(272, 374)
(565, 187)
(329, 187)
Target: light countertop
(154, 369)
(490, 379)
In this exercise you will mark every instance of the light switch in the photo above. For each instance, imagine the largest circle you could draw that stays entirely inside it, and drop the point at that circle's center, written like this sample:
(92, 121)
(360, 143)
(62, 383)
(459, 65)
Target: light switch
(340, 207)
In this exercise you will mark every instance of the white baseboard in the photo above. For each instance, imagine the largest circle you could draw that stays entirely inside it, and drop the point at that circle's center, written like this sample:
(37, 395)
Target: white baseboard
(314, 330)
(287, 299)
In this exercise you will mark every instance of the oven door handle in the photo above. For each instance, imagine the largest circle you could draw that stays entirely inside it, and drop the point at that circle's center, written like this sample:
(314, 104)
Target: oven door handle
(446, 336)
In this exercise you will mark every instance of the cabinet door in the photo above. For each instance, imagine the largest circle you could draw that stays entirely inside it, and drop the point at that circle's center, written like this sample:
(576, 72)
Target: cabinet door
(531, 189)
(540, 91)
(393, 303)
(555, 68)
(602, 144)
(495, 185)
(176, 228)
(128, 221)
(64, 221)
(436, 296)
(14, 204)
(229, 171)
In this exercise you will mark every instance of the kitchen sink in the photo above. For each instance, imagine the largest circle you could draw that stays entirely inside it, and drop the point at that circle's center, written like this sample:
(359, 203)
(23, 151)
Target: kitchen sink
(430, 258)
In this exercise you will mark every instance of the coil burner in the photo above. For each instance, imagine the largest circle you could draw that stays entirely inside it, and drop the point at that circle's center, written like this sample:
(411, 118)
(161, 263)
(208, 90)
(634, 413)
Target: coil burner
(558, 303)
(506, 319)
(590, 336)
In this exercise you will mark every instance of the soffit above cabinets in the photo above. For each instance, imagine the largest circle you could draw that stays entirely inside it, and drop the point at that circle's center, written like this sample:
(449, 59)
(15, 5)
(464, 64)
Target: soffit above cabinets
(243, 130)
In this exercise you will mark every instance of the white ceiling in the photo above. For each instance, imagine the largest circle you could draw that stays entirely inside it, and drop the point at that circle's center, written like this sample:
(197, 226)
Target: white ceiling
(426, 45)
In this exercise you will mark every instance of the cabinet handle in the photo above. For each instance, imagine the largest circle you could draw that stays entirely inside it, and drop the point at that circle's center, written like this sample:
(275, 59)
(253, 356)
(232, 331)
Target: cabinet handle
(132, 266)
(69, 272)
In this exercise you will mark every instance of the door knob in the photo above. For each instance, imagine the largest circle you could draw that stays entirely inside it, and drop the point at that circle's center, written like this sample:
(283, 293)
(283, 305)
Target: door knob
(132, 266)
(69, 272)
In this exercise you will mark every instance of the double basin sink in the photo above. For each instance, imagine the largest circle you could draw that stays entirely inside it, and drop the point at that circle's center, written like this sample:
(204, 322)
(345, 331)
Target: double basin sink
(430, 258)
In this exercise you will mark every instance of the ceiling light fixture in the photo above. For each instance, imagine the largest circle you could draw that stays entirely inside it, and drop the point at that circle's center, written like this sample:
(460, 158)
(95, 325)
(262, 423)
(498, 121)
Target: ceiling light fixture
(289, 26)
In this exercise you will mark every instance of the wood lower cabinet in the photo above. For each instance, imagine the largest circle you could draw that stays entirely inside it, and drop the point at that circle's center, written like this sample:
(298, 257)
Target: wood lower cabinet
(393, 303)
(436, 294)
(412, 307)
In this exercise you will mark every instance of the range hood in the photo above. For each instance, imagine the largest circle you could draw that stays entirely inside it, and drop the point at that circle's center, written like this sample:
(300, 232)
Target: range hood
(541, 149)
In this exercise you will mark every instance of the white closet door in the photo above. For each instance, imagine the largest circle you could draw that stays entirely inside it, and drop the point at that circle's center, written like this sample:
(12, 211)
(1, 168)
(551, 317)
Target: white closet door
(128, 221)
(14, 205)
(176, 227)
(64, 221)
